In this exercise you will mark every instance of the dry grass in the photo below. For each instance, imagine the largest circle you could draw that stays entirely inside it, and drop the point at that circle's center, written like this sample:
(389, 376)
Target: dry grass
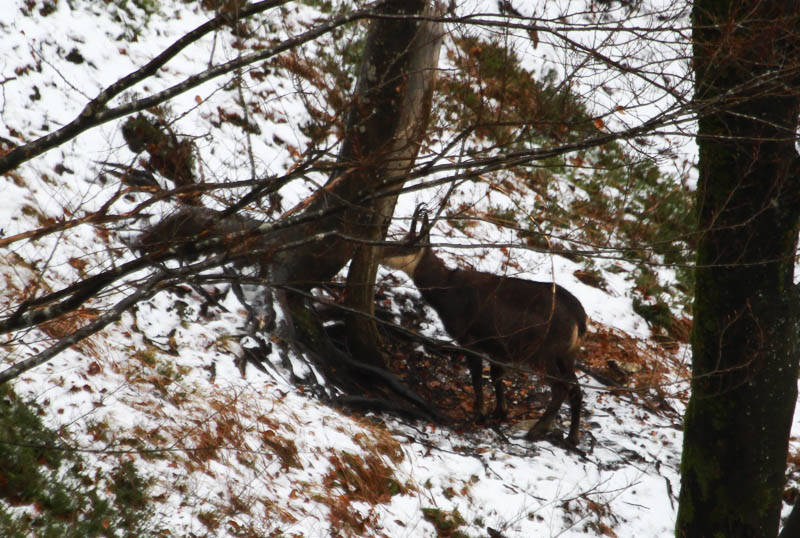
(363, 478)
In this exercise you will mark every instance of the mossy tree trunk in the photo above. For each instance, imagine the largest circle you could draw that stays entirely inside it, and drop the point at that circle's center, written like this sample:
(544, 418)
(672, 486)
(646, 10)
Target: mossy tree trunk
(745, 336)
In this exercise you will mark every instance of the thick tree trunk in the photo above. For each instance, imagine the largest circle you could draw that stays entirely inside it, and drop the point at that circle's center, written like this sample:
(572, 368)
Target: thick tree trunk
(379, 124)
(373, 123)
(400, 92)
(385, 127)
(745, 336)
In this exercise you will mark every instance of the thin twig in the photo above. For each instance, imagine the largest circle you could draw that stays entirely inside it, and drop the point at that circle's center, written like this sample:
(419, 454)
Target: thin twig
(150, 287)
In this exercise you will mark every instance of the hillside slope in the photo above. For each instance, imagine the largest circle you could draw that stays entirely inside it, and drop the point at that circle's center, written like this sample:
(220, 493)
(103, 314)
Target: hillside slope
(205, 444)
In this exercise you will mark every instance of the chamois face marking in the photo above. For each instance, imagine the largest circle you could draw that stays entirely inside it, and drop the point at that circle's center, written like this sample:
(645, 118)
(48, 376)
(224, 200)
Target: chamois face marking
(405, 262)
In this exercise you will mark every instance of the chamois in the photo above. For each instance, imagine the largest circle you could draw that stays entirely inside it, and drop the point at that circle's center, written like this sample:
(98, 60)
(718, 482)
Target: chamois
(513, 321)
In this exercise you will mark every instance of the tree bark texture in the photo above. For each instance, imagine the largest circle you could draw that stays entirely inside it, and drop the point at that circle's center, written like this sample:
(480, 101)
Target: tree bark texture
(745, 335)
(372, 125)
(385, 129)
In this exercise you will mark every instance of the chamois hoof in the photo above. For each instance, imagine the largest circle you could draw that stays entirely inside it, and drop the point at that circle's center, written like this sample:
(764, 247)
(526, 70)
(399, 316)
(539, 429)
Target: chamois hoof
(538, 433)
(556, 438)
(573, 439)
(500, 415)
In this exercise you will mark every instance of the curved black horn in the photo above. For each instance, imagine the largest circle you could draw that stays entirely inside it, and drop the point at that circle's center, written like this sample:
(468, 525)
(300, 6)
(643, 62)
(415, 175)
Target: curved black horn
(421, 209)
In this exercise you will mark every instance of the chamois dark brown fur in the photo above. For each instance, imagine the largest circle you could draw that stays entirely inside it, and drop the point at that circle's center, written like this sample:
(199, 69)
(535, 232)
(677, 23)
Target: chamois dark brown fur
(537, 325)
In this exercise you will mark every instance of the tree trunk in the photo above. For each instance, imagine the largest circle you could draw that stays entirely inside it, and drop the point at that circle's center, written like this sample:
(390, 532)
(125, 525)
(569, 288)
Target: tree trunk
(385, 127)
(745, 335)
(397, 78)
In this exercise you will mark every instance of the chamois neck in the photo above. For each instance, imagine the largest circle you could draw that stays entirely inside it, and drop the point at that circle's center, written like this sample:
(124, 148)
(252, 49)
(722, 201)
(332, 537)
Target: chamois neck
(430, 270)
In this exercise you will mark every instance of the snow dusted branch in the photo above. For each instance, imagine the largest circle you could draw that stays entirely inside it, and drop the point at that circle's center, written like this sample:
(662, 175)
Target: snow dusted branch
(161, 279)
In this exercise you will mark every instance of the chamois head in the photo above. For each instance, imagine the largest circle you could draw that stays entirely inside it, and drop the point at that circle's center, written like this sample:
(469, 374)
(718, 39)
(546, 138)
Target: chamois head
(407, 253)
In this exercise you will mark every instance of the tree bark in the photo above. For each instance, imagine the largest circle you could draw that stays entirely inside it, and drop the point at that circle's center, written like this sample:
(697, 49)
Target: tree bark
(397, 78)
(745, 335)
(385, 127)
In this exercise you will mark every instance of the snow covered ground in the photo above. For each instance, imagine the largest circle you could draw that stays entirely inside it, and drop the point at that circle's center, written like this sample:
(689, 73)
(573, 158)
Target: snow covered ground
(232, 453)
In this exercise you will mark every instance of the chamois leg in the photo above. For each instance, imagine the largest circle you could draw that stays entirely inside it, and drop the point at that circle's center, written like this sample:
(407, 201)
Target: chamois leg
(559, 389)
(500, 411)
(544, 424)
(475, 365)
(575, 403)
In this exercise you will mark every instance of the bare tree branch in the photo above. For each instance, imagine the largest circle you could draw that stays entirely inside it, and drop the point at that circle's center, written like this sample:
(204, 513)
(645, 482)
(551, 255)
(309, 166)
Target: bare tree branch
(95, 113)
(149, 288)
